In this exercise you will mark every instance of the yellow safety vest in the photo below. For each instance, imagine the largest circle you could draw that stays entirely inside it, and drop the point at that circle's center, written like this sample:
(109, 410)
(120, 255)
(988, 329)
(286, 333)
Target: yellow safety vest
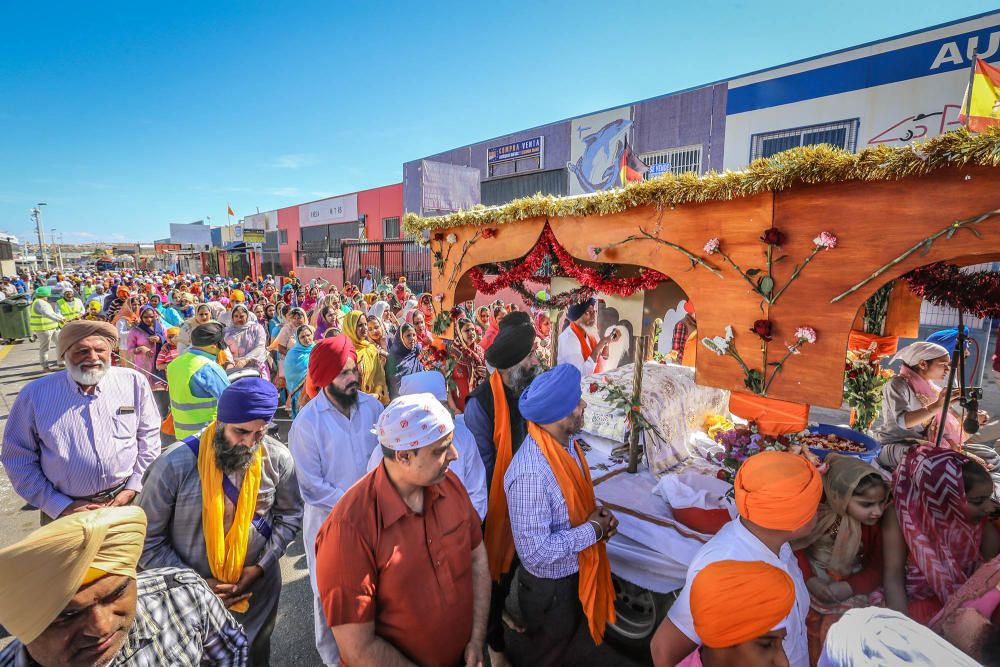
(38, 322)
(70, 309)
(191, 413)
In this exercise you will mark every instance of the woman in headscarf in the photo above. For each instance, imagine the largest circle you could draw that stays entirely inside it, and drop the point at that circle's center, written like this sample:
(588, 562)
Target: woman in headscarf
(841, 559)
(377, 333)
(940, 533)
(419, 322)
(371, 358)
(202, 314)
(404, 358)
(297, 367)
(497, 312)
(309, 302)
(144, 342)
(273, 321)
(426, 305)
(543, 331)
(482, 319)
(247, 341)
(329, 320)
(382, 311)
(126, 318)
(468, 363)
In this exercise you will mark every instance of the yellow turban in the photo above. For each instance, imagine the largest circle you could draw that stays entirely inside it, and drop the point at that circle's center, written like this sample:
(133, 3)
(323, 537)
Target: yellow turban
(734, 601)
(237, 295)
(40, 574)
(778, 490)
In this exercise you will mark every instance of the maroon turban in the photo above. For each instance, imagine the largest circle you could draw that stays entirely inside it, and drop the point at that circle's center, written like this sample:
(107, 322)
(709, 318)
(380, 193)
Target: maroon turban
(327, 359)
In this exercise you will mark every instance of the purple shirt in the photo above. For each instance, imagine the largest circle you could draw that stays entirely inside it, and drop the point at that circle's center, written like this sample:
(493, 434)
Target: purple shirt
(61, 443)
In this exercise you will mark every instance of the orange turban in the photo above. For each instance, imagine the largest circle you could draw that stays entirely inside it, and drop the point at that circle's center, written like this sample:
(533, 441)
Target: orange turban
(778, 490)
(734, 601)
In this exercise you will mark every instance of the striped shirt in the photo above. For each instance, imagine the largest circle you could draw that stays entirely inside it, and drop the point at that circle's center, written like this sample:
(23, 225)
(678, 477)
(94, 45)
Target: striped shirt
(61, 443)
(546, 541)
(178, 621)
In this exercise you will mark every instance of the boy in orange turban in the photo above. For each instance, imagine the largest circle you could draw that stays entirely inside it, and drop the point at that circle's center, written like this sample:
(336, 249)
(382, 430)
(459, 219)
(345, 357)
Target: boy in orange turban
(777, 495)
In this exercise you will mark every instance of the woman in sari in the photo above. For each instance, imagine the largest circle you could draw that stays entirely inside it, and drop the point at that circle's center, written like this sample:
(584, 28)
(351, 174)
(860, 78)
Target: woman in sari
(404, 358)
(297, 367)
(482, 319)
(940, 533)
(496, 314)
(328, 321)
(247, 341)
(841, 559)
(469, 363)
(371, 358)
(419, 322)
(309, 302)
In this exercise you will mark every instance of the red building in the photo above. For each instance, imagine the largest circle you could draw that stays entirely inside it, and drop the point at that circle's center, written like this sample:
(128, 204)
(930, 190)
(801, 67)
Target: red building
(310, 234)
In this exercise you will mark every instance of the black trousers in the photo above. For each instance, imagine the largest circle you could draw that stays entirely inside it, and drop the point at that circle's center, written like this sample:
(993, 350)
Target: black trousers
(498, 599)
(552, 613)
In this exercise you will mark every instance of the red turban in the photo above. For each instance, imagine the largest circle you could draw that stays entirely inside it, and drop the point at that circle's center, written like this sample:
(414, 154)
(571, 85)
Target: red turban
(327, 359)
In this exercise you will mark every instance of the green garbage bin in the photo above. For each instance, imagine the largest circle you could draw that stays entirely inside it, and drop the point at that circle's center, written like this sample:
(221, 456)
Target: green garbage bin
(14, 322)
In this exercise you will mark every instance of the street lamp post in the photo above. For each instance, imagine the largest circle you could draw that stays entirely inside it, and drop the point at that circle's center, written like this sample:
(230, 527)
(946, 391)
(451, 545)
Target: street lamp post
(58, 244)
(36, 213)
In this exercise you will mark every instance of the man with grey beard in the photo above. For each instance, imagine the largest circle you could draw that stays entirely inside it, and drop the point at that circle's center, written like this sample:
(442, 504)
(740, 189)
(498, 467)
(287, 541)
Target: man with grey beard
(512, 355)
(229, 479)
(82, 438)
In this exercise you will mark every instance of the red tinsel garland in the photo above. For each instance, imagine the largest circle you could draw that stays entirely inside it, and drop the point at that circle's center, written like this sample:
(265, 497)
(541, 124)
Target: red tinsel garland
(942, 284)
(555, 301)
(585, 275)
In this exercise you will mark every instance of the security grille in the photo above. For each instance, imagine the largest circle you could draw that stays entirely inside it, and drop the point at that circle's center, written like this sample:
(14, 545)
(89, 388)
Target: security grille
(841, 134)
(674, 160)
(390, 228)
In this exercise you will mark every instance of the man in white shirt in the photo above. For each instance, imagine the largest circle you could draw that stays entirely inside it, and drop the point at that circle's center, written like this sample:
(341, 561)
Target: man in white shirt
(469, 467)
(367, 283)
(777, 494)
(577, 346)
(331, 441)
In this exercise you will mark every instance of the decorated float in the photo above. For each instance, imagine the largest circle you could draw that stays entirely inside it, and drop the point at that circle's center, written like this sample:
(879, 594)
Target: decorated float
(795, 269)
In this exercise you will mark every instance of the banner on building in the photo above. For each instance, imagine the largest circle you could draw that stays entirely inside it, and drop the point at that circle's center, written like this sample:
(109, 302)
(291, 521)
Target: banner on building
(253, 236)
(329, 211)
(160, 248)
(514, 151)
(448, 187)
(595, 150)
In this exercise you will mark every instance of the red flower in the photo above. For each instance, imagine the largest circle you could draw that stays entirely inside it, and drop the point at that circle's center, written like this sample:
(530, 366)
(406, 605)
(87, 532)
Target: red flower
(772, 237)
(593, 387)
(456, 313)
(489, 232)
(763, 329)
(722, 474)
(439, 236)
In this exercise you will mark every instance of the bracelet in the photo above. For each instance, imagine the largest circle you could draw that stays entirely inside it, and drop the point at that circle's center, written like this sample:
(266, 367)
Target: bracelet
(599, 529)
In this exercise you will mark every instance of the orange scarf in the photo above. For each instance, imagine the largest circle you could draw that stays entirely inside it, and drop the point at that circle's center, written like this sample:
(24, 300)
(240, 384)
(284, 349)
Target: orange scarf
(597, 594)
(587, 342)
(499, 536)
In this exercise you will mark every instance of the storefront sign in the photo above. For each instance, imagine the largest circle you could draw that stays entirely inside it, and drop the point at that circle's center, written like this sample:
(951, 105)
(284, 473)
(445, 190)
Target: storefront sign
(519, 149)
(160, 248)
(658, 169)
(329, 211)
(253, 236)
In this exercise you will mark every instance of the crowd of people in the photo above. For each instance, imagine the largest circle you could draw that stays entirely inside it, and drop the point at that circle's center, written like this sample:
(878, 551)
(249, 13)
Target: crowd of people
(427, 476)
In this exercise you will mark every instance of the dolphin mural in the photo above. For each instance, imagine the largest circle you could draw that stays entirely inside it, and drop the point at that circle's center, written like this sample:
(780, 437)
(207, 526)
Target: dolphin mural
(597, 167)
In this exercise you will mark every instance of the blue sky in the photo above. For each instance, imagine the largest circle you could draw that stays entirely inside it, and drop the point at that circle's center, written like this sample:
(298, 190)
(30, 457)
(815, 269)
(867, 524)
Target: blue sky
(125, 117)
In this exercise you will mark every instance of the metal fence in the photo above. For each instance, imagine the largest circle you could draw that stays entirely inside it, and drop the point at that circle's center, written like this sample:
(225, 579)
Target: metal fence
(392, 258)
(325, 257)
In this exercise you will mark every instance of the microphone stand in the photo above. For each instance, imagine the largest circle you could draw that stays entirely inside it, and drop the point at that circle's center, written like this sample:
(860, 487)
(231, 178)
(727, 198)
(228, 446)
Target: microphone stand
(957, 364)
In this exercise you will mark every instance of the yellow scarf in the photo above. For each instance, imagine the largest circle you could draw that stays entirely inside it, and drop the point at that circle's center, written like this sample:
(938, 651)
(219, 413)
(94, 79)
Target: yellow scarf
(373, 379)
(226, 552)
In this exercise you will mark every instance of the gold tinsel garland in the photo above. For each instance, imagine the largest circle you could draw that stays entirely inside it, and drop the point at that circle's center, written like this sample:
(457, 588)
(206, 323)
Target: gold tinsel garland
(807, 164)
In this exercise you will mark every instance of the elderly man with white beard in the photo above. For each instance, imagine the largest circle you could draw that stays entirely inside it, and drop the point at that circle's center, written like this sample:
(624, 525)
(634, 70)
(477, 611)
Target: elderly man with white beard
(82, 438)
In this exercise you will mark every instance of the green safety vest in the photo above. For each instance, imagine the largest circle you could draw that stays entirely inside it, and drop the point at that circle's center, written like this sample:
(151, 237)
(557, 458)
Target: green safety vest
(191, 413)
(39, 323)
(69, 308)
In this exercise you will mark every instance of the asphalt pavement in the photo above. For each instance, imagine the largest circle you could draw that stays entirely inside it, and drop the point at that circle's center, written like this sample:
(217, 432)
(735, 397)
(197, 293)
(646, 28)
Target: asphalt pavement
(292, 641)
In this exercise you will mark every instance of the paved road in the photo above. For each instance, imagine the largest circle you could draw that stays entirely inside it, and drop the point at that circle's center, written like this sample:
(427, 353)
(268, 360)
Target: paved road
(292, 641)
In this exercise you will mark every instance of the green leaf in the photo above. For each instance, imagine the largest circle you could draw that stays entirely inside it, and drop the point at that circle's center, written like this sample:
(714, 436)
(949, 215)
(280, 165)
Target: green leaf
(766, 285)
(975, 231)
(781, 258)
(752, 272)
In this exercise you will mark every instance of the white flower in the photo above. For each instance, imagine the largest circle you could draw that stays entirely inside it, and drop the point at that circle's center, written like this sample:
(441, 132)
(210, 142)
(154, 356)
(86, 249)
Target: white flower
(805, 335)
(451, 239)
(719, 344)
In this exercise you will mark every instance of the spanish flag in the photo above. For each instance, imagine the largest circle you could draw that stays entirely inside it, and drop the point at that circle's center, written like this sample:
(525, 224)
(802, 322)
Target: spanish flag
(982, 104)
(631, 167)
(230, 209)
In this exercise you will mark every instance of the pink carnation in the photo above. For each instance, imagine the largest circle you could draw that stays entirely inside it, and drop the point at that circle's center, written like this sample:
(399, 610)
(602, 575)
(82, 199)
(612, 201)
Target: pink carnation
(825, 240)
(805, 334)
(593, 251)
(712, 246)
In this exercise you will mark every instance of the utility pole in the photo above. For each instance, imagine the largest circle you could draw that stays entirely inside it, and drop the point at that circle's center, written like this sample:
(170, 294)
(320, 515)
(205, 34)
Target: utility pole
(59, 257)
(37, 215)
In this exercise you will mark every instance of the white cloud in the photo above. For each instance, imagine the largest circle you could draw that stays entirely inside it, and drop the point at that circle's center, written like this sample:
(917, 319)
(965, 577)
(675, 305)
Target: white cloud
(80, 236)
(293, 161)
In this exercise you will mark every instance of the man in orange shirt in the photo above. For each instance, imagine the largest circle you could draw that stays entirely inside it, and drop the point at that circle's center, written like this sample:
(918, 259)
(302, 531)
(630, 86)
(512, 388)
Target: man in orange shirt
(400, 563)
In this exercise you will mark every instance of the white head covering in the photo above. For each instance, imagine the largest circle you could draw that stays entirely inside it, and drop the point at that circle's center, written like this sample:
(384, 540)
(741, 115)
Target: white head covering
(412, 422)
(407, 307)
(378, 309)
(424, 382)
(914, 353)
(876, 636)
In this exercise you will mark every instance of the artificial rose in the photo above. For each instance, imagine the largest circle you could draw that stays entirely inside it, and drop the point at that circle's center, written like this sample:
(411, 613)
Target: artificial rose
(594, 387)
(772, 237)
(489, 232)
(438, 236)
(456, 313)
(763, 329)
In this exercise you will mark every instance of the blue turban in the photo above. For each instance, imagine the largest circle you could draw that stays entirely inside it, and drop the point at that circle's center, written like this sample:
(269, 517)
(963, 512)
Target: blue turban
(947, 338)
(577, 310)
(247, 400)
(552, 396)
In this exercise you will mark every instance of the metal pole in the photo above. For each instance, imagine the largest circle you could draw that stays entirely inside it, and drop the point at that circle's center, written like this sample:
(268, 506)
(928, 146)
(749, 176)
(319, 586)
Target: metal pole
(957, 366)
(968, 96)
(37, 213)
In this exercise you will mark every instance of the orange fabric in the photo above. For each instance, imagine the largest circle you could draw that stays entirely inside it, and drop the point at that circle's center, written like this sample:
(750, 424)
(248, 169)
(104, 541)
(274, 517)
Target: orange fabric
(587, 343)
(734, 601)
(167, 425)
(817, 627)
(499, 536)
(778, 490)
(773, 417)
(597, 593)
(885, 345)
(690, 350)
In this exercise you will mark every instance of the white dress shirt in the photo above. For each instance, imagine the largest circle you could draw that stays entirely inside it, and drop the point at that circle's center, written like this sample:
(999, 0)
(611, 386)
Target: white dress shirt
(570, 353)
(735, 542)
(469, 467)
